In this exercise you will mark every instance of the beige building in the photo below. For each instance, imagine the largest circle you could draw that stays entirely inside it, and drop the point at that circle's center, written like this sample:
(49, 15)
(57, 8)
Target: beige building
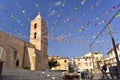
(62, 61)
(17, 53)
(88, 62)
(111, 59)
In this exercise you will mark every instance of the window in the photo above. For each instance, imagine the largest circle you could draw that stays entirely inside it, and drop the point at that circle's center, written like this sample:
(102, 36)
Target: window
(65, 66)
(35, 35)
(113, 61)
(78, 59)
(35, 25)
(65, 61)
(78, 64)
(118, 48)
(90, 64)
(96, 57)
(17, 62)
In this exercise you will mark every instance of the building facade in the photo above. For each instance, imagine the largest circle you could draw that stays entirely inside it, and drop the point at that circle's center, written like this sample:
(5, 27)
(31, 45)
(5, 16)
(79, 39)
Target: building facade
(111, 59)
(62, 61)
(88, 62)
(17, 53)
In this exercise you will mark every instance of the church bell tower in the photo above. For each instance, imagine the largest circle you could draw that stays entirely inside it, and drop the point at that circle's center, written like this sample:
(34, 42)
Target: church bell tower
(38, 36)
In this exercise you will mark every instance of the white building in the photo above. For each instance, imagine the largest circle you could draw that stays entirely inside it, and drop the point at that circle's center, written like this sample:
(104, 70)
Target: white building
(88, 62)
(111, 56)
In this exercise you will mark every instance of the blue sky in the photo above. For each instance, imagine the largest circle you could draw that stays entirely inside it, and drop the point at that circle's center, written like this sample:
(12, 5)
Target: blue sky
(72, 24)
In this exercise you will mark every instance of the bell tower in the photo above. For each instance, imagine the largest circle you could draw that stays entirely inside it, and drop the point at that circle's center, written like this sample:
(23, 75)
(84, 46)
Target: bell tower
(38, 37)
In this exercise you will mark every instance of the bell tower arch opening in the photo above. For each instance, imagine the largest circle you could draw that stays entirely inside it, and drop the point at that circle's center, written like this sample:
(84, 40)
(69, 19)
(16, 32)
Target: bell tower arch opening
(35, 25)
(35, 35)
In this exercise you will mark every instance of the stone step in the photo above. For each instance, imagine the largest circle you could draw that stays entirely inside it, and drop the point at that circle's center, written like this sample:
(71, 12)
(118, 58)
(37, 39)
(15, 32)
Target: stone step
(21, 74)
(14, 78)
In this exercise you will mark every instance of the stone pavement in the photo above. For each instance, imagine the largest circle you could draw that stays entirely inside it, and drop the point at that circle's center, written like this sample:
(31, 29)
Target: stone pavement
(21, 74)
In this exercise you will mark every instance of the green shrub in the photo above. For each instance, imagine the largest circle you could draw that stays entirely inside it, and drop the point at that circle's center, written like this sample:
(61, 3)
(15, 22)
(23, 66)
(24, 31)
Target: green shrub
(26, 67)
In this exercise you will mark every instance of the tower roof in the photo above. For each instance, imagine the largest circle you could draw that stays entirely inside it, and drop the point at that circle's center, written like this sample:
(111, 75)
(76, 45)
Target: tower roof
(38, 16)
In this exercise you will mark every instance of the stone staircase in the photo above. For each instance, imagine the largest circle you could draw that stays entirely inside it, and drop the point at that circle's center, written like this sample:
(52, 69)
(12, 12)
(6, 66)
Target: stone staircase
(22, 74)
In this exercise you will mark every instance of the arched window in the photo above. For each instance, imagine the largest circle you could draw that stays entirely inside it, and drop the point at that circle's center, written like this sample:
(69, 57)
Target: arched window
(17, 62)
(65, 61)
(35, 25)
(35, 34)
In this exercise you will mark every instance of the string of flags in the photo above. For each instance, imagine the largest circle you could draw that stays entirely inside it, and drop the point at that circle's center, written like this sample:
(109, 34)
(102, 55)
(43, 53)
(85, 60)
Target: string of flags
(23, 10)
(86, 26)
(60, 25)
(14, 17)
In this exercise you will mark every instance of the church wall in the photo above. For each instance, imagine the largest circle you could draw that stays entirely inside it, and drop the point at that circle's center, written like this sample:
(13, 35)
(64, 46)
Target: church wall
(26, 59)
(39, 62)
(32, 56)
(15, 49)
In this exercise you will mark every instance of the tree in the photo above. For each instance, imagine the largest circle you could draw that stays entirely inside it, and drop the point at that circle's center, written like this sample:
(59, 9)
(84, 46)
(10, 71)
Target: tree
(53, 63)
(71, 69)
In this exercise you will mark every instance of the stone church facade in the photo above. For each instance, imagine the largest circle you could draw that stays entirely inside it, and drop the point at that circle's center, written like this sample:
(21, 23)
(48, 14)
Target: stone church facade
(17, 53)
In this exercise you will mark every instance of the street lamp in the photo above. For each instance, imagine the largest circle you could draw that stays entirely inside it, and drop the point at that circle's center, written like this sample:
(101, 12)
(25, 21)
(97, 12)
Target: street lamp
(113, 42)
(92, 56)
(115, 51)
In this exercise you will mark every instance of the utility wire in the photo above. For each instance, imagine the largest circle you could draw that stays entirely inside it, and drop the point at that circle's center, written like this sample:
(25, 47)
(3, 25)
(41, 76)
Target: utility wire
(105, 27)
